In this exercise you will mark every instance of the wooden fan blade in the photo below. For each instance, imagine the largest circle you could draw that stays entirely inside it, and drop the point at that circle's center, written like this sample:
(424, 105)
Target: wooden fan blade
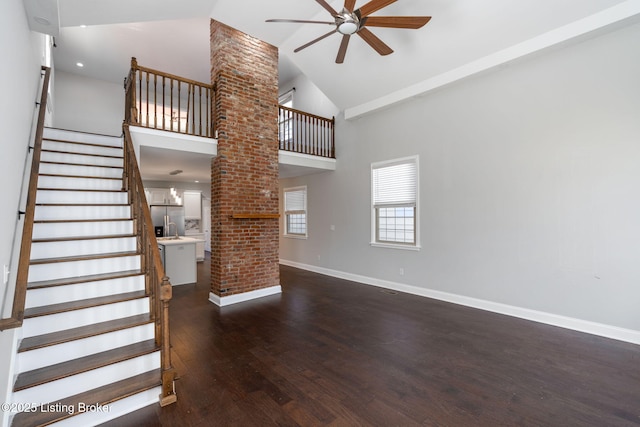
(349, 5)
(315, 40)
(327, 7)
(410, 22)
(373, 6)
(343, 49)
(300, 21)
(374, 42)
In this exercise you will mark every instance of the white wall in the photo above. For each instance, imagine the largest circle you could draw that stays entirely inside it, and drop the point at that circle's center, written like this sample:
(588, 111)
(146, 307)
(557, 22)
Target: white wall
(529, 178)
(21, 52)
(309, 98)
(88, 105)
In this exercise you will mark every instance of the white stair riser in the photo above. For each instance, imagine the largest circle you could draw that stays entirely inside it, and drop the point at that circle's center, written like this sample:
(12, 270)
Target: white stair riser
(72, 319)
(69, 213)
(79, 183)
(81, 229)
(116, 409)
(100, 288)
(80, 159)
(61, 270)
(56, 169)
(66, 135)
(47, 356)
(57, 390)
(45, 250)
(81, 148)
(81, 197)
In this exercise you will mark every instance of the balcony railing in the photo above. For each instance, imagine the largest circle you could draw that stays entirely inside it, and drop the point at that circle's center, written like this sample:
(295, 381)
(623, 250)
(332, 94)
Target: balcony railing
(159, 100)
(306, 133)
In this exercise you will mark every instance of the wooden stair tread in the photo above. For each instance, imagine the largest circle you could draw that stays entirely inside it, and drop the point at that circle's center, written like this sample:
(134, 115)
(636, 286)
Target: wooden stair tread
(80, 238)
(81, 189)
(59, 337)
(83, 279)
(83, 204)
(49, 162)
(81, 154)
(79, 176)
(46, 310)
(82, 258)
(77, 366)
(91, 144)
(103, 396)
(53, 221)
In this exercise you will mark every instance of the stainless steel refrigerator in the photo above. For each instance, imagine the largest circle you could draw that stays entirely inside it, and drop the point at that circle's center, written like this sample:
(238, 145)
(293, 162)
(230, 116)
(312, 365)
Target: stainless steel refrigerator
(162, 215)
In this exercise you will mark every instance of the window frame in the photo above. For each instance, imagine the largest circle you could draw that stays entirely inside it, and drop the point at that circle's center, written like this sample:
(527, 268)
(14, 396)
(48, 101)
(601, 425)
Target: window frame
(304, 212)
(285, 125)
(375, 213)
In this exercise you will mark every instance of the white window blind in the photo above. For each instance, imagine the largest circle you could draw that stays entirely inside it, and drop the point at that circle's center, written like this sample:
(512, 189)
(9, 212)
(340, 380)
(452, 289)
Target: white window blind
(395, 184)
(295, 200)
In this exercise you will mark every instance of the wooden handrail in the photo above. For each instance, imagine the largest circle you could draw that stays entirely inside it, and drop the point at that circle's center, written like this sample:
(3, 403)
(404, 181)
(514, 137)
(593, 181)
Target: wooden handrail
(17, 311)
(171, 76)
(306, 133)
(157, 284)
(154, 99)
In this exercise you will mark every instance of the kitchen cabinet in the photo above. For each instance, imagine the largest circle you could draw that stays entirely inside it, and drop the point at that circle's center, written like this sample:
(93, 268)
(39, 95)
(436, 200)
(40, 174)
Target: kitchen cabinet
(192, 204)
(179, 259)
(163, 196)
(200, 243)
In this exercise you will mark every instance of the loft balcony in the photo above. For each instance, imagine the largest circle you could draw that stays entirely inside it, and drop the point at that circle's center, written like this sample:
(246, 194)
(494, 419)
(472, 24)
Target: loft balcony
(171, 116)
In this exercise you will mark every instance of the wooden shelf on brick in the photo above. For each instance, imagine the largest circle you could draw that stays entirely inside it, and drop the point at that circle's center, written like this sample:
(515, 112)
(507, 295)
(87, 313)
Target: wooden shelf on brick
(255, 216)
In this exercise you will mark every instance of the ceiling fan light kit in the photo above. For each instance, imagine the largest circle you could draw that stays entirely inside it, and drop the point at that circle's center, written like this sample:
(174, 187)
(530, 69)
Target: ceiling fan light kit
(347, 24)
(350, 21)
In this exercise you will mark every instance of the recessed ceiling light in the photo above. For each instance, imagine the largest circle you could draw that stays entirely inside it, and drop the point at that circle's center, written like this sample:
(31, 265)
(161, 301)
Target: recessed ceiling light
(42, 21)
(83, 26)
(79, 64)
(196, 181)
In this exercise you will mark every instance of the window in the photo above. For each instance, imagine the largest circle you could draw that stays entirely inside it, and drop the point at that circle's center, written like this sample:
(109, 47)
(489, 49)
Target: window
(395, 203)
(286, 99)
(295, 211)
(285, 119)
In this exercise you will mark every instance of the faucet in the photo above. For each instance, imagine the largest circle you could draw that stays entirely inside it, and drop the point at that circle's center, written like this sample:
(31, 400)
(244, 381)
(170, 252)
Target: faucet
(169, 224)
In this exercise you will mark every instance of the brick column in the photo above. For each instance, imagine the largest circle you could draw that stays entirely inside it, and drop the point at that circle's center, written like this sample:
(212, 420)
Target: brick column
(244, 175)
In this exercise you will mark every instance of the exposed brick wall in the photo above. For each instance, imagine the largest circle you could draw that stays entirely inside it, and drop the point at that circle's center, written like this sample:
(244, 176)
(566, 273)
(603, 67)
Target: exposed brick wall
(244, 175)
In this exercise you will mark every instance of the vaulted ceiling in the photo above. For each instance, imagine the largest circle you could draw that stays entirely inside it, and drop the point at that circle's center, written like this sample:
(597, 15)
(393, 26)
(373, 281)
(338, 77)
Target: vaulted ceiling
(464, 37)
(173, 36)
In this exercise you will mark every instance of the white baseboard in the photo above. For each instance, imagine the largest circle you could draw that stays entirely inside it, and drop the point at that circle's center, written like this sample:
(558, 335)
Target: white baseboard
(245, 296)
(613, 332)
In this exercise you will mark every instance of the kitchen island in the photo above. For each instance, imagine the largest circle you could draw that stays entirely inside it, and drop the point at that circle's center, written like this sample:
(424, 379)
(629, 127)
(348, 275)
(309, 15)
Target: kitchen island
(179, 259)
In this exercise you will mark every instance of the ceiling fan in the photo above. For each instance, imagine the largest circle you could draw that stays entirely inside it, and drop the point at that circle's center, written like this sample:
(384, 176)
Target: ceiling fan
(350, 21)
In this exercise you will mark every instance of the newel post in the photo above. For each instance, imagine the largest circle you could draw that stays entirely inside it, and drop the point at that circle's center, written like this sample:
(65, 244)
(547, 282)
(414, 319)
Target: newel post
(168, 395)
(132, 96)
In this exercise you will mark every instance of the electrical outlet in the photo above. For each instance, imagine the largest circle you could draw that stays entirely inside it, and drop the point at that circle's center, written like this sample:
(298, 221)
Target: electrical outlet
(5, 274)
(402, 271)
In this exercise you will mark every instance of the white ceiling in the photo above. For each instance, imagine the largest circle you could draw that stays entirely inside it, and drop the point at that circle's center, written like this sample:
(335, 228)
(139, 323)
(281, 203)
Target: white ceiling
(173, 36)
(156, 164)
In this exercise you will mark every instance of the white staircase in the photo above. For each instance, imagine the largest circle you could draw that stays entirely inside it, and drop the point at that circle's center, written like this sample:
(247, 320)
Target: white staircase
(87, 336)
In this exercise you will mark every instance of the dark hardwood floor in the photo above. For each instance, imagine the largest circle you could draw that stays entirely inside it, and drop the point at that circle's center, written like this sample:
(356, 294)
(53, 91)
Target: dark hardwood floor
(329, 352)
